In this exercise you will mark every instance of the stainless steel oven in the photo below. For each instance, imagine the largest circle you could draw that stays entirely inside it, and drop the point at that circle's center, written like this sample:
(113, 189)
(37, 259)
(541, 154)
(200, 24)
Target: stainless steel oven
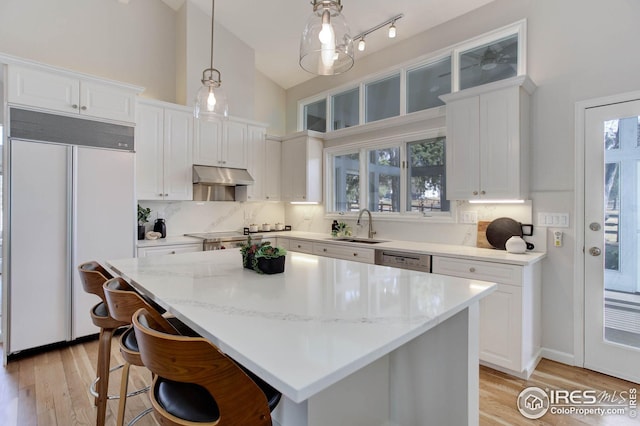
(223, 240)
(403, 260)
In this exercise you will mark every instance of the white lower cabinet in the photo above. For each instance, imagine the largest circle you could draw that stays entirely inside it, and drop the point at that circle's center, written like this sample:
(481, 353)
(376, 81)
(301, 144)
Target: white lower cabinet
(336, 251)
(510, 318)
(356, 254)
(170, 249)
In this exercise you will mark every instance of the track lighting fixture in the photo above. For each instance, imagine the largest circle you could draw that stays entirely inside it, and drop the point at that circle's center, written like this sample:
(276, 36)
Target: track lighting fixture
(392, 31)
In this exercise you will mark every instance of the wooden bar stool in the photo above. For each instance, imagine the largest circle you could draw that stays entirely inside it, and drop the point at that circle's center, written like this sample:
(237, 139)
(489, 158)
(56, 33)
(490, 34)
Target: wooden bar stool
(93, 276)
(123, 301)
(195, 383)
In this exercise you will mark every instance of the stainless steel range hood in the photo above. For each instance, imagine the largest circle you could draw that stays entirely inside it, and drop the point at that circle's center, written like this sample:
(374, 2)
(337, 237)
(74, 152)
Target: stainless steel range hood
(220, 183)
(209, 175)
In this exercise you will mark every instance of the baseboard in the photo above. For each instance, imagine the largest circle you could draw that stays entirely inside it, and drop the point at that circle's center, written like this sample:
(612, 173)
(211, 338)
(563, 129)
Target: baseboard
(561, 357)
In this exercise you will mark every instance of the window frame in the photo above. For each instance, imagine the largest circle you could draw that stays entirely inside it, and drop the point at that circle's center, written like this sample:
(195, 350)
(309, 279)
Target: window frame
(401, 141)
(454, 51)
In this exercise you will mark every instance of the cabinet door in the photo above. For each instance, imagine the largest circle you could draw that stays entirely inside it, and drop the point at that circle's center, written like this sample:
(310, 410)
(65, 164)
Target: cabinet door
(463, 149)
(500, 327)
(500, 144)
(206, 147)
(164, 250)
(149, 153)
(234, 146)
(178, 141)
(271, 173)
(257, 164)
(106, 101)
(294, 170)
(41, 89)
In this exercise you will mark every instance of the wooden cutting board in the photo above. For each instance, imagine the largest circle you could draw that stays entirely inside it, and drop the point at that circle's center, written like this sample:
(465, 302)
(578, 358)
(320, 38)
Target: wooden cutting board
(481, 240)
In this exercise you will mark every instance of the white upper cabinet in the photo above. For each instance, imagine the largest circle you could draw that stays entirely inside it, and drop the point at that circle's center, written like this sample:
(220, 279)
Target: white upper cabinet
(302, 169)
(263, 164)
(488, 141)
(69, 93)
(164, 139)
(271, 187)
(221, 143)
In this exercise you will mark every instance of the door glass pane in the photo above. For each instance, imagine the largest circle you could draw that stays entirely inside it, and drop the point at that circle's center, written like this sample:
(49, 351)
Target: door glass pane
(315, 116)
(346, 178)
(345, 109)
(490, 62)
(621, 231)
(426, 176)
(382, 99)
(426, 84)
(384, 179)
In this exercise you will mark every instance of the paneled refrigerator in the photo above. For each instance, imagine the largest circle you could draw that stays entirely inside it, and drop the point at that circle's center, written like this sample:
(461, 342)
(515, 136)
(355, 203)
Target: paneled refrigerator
(71, 200)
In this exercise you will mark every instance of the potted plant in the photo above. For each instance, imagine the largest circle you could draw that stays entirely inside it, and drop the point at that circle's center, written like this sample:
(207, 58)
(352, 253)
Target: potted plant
(143, 217)
(248, 250)
(341, 229)
(269, 260)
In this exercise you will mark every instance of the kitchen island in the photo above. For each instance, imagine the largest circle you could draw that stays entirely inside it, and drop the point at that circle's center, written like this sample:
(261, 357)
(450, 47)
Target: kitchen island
(346, 343)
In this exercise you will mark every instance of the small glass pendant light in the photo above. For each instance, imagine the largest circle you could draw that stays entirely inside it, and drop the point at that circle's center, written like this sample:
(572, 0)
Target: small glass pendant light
(211, 101)
(326, 46)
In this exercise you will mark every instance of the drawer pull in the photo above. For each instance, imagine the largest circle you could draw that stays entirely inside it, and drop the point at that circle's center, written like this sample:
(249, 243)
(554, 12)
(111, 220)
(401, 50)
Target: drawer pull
(173, 252)
(324, 250)
(299, 246)
(355, 254)
(472, 269)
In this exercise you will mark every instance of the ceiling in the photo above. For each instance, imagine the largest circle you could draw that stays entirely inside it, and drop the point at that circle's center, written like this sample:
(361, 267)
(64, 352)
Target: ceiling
(273, 28)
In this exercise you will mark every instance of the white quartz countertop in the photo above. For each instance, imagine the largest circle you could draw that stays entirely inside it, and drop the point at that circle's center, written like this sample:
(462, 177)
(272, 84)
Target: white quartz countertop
(447, 250)
(309, 327)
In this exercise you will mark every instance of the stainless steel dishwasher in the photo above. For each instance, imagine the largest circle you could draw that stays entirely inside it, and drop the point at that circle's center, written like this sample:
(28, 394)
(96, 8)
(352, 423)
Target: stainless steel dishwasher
(403, 260)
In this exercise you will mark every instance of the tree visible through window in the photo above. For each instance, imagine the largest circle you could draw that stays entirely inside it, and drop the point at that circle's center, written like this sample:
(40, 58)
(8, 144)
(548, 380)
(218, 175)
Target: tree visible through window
(426, 176)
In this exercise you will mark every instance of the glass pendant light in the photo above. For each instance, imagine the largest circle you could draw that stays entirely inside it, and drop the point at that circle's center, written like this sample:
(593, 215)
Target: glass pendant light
(326, 46)
(211, 101)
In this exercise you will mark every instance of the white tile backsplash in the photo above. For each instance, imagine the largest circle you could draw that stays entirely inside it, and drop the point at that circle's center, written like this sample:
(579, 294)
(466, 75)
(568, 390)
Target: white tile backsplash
(182, 217)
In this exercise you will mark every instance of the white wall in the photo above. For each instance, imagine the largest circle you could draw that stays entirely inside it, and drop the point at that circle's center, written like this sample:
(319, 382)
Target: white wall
(577, 50)
(133, 43)
(270, 103)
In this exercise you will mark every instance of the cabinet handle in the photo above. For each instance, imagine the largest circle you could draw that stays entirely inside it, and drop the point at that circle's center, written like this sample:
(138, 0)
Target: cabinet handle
(159, 195)
(166, 195)
(299, 246)
(472, 269)
(475, 192)
(482, 192)
(355, 254)
(324, 250)
(267, 197)
(74, 106)
(173, 252)
(304, 197)
(84, 108)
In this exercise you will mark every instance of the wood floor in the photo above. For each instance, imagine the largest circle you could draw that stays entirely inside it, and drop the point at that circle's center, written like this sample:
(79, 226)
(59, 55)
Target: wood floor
(52, 389)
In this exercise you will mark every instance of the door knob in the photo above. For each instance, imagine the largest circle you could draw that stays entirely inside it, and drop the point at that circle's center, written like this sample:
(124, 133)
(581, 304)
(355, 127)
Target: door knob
(595, 251)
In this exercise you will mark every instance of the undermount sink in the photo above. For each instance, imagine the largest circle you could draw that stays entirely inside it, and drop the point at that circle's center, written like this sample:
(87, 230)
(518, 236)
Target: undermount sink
(357, 240)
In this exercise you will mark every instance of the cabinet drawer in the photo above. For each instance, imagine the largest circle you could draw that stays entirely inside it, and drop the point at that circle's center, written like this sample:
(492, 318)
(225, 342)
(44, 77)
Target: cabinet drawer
(486, 271)
(344, 252)
(301, 246)
(285, 243)
(163, 250)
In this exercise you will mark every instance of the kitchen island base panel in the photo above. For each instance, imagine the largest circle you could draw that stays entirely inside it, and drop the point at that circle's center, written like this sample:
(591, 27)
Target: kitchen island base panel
(431, 380)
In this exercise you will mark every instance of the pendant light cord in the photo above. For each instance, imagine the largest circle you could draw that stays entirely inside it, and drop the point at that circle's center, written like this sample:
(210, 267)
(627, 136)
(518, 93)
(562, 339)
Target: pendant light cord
(213, 14)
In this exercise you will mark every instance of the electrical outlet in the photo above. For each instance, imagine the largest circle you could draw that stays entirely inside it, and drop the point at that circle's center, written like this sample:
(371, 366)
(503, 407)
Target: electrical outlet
(557, 238)
(469, 217)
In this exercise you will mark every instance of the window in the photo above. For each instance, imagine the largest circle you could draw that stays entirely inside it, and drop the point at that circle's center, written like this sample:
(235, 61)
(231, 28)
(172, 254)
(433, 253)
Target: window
(383, 170)
(345, 109)
(346, 172)
(426, 176)
(389, 177)
(382, 99)
(315, 116)
(490, 62)
(425, 84)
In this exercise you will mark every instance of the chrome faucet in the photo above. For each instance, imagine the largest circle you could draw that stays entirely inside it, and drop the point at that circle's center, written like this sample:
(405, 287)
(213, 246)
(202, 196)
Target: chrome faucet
(371, 231)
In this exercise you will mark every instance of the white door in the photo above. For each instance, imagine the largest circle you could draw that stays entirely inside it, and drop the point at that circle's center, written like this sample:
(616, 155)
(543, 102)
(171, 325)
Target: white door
(104, 218)
(612, 243)
(39, 247)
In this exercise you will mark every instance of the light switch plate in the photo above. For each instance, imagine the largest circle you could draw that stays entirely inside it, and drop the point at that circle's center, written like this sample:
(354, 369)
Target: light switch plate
(556, 220)
(469, 217)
